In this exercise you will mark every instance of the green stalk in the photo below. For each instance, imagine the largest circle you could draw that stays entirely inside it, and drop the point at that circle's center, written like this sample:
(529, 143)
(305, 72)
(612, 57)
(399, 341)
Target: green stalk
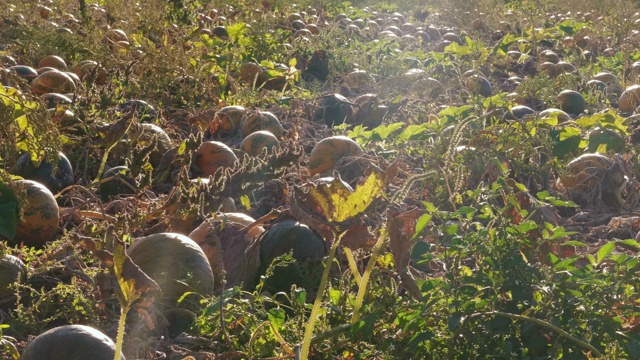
(352, 265)
(362, 290)
(123, 318)
(308, 332)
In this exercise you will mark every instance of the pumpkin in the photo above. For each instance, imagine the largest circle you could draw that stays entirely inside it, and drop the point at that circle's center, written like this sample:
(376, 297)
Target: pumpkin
(256, 142)
(571, 102)
(175, 262)
(590, 176)
(114, 36)
(333, 109)
(518, 112)
(144, 111)
(560, 115)
(116, 185)
(212, 155)
(609, 137)
(549, 56)
(163, 142)
(53, 81)
(563, 67)
(71, 342)
(370, 112)
(53, 61)
(307, 249)
(479, 85)
(630, 99)
(261, 120)
(39, 222)
(25, 72)
(12, 269)
(251, 73)
(44, 173)
(326, 154)
(359, 79)
(229, 248)
(89, 70)
(53, 100)
(227, 119)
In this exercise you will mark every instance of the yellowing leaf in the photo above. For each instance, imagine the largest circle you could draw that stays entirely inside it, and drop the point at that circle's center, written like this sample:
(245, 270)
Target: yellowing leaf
(338, 203)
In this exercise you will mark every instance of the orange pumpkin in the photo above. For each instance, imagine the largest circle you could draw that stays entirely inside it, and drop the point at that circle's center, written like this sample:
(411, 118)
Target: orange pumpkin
(212, 155)
(53, 81)
(53, 61)
(326, 154)
(256, 142)
(261, 120)
(227, 119)
(39, 223)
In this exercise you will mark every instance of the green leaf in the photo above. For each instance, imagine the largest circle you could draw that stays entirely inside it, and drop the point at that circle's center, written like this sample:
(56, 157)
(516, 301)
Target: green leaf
(277, 317)
(335, 295)
(385, 130)
(605, 250)
(422, 222)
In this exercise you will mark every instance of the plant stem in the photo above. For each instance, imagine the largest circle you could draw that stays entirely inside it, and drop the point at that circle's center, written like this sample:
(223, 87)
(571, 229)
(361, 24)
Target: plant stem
(352, 265)
(123, 318)
(362, 290)
(308, 332)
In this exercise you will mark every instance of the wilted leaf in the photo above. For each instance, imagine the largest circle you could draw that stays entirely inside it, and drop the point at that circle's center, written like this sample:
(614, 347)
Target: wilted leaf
(338, 203)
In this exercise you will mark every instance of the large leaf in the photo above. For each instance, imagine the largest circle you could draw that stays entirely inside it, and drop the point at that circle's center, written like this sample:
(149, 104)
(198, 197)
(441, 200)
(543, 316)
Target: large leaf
(339, 204)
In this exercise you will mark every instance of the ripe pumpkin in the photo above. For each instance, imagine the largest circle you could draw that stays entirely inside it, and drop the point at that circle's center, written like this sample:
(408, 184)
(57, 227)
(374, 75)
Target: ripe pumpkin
(307, 249)
(39, 223)
(571, 102)
(53, 61)
(212, 155)
(53, 81)
(115, 186)
(175, 262)
(71, 342)
(630, 99)
(256, 142)
(227, 119)
(12, 269)
(326, 154)
(44, 173)
(261, 120)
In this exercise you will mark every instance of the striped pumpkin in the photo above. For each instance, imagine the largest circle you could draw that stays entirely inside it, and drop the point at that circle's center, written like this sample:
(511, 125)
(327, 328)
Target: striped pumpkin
(39, 223)
(257, 141)
(261, 120)
(326, 154)
(212, 155)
